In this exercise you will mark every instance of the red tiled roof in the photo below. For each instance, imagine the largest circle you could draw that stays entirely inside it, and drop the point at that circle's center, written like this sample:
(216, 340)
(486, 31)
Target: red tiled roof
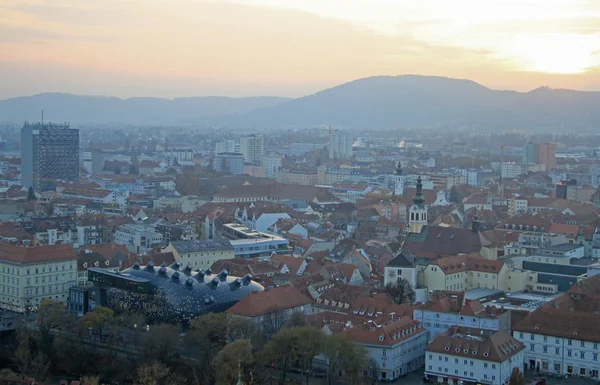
(268, 301)
(21, 254)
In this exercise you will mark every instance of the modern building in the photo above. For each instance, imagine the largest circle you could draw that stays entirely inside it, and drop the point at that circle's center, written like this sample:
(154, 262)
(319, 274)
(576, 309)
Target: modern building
(464, 355)
(138, 238)
(249, 243)
(49, 154)
(340, 145)
(565, 189)
(170, 294)
(227, 146)
(530, 153)
(546, 155)
(29, 275)
(252, 147)
(231, 162)
(510, 170)
(271, 163)
(201, 254)
(93, 161)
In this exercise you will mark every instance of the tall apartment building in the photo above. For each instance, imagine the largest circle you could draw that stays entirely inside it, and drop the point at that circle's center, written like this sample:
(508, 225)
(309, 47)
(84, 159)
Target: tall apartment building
(530, 153)
(93, 161)
(29, 275)
(229, 161)
(340, 145)
(227, 146)
(271, 163)
(49, 153)
(546, 155)
(252, 147)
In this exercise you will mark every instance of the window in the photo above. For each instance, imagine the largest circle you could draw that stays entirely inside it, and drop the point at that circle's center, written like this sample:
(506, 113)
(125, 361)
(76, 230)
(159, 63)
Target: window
(582, 355)
(521, 335)
(545, 349)
(532, 347)
(493, 378)
(430, 356)
(493, 366)
(485, 365)
(583, 344)
(384, 353)
(557, 367)
(557, 351)
(532, 337)
(456, 360)
(569, 342)
(569, 353)
(595, 356)
(545, 338)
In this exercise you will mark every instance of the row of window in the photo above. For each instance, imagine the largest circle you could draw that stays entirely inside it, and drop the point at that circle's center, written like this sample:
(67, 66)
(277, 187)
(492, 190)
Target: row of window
(532, 337)
(466, 373)
(582, 354)
(37, 270)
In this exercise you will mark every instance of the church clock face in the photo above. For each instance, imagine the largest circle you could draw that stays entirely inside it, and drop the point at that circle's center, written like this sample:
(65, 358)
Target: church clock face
(392, 273)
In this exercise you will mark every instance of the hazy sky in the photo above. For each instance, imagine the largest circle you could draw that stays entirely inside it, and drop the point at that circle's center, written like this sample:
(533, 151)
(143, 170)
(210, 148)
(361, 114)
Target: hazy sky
(291, 47)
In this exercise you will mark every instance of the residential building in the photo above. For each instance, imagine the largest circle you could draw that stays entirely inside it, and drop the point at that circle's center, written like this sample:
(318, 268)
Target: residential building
(93, 161)
(464, 355)
(138, 238)
(510, 170)
(461, 273)
(546, 155)
(449, 309)
(562, 336)
(530, 153)
(517, 206)
(227, 146)
(49, 154)
(252, 147)
(231, 162)
(340, 145)
(200, 254)
(32, 274)
(271, 163)
(108, 256)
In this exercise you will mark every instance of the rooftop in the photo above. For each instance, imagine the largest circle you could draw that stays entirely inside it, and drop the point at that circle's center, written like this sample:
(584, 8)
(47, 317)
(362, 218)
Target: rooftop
(195, 246)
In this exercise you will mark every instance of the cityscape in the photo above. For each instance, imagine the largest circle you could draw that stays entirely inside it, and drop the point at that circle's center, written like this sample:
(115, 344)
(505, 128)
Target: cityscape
(360, 227)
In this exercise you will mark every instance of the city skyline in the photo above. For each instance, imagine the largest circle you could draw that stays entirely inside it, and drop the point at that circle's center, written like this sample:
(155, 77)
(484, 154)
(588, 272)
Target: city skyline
(288, 47)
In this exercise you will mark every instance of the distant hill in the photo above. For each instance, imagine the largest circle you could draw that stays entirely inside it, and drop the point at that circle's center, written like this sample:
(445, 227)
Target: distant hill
(375, 102)
(428, 101)
(98, 109)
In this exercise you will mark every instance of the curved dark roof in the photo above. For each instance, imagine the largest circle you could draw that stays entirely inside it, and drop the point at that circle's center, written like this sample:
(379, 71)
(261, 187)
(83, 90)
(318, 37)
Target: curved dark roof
(178, 293)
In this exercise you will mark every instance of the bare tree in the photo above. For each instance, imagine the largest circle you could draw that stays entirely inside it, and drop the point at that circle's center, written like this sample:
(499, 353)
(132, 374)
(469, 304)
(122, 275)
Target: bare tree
(401, 292)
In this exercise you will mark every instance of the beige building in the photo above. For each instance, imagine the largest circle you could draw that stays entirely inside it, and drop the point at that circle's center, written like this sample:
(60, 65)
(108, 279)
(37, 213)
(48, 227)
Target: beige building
(301, 177)
(200, 254)
(30, 274)
(462, 273)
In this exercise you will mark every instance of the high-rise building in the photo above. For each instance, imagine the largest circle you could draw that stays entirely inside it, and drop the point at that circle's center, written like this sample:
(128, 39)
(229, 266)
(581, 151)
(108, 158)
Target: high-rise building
(530, 153)
(49, 153)
(231, 162)
(271, 163)
(340, 145)
(252, 147)
(546, 155)
(227, 146)
(93, 161)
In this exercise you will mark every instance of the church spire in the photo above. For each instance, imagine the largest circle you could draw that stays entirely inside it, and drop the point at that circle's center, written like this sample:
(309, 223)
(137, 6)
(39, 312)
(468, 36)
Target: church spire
(419, 199)
(398, 169)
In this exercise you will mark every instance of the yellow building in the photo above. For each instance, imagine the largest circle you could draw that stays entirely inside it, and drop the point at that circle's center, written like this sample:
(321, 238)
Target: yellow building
(462, 273)
(31, 274)
(201, 254)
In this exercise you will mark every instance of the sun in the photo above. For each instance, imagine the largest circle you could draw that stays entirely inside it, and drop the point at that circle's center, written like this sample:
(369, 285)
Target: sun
(556, 53)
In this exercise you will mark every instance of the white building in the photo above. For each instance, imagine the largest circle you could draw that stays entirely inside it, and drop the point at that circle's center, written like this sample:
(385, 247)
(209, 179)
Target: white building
(252, 147)
(396, 347)
(138, 238)
(510, 170)
(473, 356)
(249, 243)
(453, 310)
(271, 163)
(340, 145)
(227, 146)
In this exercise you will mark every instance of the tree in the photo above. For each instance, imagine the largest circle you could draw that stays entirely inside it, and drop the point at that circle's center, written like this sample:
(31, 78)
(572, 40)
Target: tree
(234, 359)
(344, 355)
(160, 343)
(28, 358)
(244, 329)
(455, 195)
(156, 373)
(516, 377)
(273, 321)
(31, 195)
(98, 319)
(333, 351)
(310, 344)
(402, 292)
(355, 361)
(208, 335)
(282, 351)
(49, 315)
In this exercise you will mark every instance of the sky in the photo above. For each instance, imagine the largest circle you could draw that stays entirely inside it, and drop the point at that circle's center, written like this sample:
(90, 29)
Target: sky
(170, 48)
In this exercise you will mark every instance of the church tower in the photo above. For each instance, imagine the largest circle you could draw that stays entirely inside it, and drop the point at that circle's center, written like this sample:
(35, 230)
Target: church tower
(398, 180)
(417, 214)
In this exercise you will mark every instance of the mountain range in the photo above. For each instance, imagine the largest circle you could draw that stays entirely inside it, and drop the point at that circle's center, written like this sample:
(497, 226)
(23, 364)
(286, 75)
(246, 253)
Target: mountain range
(374, 102)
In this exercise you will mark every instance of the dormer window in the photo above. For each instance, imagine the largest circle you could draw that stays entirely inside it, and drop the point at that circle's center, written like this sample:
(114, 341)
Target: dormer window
(446, 348)
(107, 263)
(466, 351)
(381, 337)
(485, 354)
(85, 265)
(457, 350)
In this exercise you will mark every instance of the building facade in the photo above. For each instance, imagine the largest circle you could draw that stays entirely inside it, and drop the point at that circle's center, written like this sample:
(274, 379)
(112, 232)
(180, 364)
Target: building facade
(201, 254)
(252, 147)
(340, 145)
(49, 153)
(32, 274)
(229, 162)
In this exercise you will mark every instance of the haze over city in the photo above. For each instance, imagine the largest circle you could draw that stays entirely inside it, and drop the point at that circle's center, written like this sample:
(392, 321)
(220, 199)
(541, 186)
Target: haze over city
(290, 47)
